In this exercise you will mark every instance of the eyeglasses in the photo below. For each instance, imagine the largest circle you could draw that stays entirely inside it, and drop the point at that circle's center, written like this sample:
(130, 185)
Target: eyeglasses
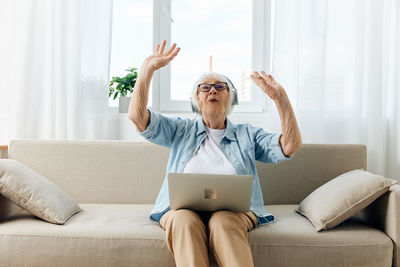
(206, 87)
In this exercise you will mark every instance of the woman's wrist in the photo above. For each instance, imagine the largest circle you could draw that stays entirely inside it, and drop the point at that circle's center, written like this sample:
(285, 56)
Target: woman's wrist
(147, 68)
(145, 74)
(282, 99)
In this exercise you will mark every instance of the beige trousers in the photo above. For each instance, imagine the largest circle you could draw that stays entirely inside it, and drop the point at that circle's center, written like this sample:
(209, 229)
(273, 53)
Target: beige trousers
(227, 232)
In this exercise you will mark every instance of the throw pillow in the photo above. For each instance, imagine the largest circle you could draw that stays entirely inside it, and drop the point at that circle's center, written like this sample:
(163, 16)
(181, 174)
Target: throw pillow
(342, 197)
(8, 209)
(35, 193)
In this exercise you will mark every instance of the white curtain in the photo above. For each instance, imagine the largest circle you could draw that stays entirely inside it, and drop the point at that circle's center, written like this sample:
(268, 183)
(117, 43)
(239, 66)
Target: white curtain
(339, 61)
(60, 68)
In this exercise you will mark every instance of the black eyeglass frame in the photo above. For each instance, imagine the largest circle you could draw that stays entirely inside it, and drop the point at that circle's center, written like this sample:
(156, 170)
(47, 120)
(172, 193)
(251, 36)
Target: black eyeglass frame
(213, 85)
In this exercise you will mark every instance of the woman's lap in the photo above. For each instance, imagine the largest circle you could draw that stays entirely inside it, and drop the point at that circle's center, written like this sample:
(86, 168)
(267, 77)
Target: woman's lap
(246, 218)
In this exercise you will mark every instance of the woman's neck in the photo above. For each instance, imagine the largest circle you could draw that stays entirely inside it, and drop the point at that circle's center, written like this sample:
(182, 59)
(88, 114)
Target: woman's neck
(215, 121)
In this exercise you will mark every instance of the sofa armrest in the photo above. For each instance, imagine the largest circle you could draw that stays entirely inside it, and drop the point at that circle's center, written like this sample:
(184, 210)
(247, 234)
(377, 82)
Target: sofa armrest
(384, 214)
(3, 152)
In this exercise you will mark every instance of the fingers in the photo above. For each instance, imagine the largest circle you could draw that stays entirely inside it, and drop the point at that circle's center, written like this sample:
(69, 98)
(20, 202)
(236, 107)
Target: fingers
(168, 52)
(173, 54)
(257, 78)
(254, 75)
(156, 49)
(163, 46)
(269, 76)
(263, 76)
(159, 50)
(254, 78)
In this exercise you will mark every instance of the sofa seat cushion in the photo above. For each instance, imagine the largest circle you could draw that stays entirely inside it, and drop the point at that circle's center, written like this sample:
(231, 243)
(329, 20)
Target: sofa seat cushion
(99, 235)
(293, 241)
(123, 235)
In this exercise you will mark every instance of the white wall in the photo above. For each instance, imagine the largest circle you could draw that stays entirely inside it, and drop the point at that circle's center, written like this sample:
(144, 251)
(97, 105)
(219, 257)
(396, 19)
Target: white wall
(3, 117)
(6, 82)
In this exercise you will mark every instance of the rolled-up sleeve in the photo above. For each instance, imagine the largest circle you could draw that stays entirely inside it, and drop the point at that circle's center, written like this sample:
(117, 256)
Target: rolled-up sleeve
(267, 147)
(161, 129)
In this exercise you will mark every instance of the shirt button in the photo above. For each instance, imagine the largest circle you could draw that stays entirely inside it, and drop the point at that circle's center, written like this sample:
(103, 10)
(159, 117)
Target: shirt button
(183, 162)
(192, 149)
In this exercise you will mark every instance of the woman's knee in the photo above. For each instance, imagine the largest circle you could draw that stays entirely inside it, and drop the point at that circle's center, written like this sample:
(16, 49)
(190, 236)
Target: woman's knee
(186, 219)
(229, 220)
(222, 219)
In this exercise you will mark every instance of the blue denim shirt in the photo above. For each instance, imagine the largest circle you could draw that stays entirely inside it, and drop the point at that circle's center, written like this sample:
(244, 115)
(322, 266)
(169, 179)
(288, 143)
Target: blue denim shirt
(242, 144)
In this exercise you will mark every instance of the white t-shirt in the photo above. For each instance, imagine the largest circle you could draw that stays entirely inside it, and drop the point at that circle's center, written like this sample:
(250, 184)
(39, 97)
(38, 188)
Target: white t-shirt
(210, 158)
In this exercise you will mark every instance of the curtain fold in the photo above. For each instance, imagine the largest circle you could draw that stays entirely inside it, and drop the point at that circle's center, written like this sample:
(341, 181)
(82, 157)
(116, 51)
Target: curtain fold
(61, 69)
(339, 62)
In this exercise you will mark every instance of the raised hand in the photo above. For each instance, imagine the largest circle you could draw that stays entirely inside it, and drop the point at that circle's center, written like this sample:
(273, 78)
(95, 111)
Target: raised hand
(160, 58)
(268, 84)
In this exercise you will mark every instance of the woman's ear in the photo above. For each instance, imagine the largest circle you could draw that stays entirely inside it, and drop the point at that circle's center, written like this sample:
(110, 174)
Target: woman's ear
(195, 108)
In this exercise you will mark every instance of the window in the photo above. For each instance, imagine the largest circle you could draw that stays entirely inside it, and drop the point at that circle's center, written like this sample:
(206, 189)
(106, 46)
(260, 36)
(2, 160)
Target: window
(219, 35)
(132, 37)
(232, 34)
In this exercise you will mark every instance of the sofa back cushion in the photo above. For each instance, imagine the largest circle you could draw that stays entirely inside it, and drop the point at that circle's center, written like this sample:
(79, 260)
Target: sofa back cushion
(132, 172)
(97, 171)
(311, 166)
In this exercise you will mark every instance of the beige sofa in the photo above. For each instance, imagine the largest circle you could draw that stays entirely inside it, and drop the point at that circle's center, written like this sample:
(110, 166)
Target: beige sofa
(116, 184)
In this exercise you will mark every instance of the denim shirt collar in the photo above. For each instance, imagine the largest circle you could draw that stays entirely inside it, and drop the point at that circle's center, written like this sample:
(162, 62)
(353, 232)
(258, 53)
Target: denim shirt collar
(229, 133)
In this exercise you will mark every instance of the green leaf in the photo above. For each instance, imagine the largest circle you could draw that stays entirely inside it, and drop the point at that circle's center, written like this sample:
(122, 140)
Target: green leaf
(131, 69)
(116, 79)
(123, 85)
(128, 76)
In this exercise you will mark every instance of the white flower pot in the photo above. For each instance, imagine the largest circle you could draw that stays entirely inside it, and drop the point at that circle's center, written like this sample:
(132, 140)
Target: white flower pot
(124, 104)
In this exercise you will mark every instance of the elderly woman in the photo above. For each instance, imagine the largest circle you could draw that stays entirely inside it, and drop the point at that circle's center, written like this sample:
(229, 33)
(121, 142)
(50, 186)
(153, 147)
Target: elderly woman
(210, 143)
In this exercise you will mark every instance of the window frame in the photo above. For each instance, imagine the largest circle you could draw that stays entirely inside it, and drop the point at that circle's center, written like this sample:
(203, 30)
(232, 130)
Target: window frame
(261, 58)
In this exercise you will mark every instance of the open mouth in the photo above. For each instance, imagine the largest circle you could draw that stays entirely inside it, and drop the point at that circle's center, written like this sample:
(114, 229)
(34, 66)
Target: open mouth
(213, 100)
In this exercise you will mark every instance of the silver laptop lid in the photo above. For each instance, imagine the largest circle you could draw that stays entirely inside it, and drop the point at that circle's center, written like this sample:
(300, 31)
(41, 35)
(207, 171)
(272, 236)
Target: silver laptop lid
(209, 192)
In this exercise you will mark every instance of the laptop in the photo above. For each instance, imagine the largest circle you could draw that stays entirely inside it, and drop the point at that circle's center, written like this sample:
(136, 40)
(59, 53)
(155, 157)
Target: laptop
(209, 192)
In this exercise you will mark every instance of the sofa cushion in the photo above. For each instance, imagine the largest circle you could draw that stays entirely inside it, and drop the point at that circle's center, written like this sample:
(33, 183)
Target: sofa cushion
(123, 235)
(35, 193)
(342, 197)
(99, 235)
(293, 241)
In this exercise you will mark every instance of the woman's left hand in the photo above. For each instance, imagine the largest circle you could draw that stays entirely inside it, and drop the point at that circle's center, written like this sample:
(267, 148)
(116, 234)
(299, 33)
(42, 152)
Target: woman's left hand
(268, 84)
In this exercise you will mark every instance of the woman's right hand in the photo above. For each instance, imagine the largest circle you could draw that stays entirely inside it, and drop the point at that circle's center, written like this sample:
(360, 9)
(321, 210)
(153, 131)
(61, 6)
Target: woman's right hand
(160, 58)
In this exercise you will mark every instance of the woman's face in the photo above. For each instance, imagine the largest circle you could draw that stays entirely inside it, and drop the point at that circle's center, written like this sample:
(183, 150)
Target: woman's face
(213, 102)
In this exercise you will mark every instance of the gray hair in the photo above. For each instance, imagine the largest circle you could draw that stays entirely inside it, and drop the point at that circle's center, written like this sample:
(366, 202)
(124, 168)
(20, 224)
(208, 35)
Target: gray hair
(216, 76)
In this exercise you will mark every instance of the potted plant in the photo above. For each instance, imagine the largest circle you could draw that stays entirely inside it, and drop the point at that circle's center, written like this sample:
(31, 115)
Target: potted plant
(123, 86)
